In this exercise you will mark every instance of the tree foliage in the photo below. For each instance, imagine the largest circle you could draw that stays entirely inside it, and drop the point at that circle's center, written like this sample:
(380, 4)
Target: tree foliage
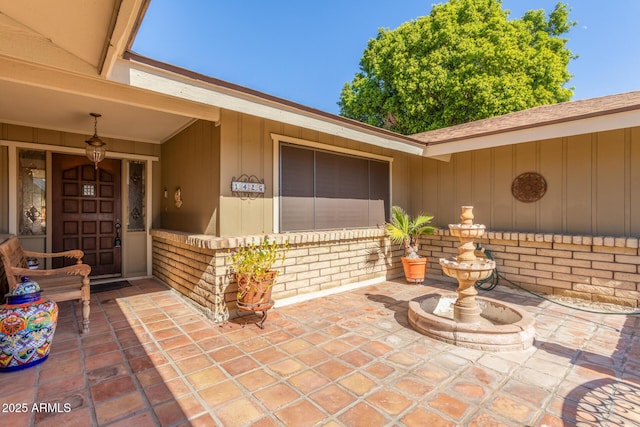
(464, 61)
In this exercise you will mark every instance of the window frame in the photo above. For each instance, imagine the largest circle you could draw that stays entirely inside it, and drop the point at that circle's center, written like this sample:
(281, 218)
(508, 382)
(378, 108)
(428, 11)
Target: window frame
(279, 139)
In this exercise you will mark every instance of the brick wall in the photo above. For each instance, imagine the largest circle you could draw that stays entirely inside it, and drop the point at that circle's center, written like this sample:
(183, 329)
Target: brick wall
(604, 269)
(197, 266)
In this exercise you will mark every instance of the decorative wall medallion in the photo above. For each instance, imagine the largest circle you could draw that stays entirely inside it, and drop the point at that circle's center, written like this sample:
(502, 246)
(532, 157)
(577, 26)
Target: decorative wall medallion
(529, 187)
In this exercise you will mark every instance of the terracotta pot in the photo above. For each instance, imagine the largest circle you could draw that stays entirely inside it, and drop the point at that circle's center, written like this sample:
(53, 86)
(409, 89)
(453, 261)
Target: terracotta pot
(255, 295)
(414, 269)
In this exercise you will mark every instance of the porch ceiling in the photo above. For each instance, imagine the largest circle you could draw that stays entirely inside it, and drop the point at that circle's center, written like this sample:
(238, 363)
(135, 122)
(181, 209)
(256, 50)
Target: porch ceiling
(54, 58)
(46, 108)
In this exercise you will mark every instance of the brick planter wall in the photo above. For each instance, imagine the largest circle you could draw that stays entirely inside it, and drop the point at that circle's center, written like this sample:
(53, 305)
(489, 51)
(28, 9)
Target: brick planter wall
(197, 265)
(604, 269)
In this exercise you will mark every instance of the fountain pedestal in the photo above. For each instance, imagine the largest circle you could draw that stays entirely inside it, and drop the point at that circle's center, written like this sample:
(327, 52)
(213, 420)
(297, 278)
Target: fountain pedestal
(466, 268)
(463, 318)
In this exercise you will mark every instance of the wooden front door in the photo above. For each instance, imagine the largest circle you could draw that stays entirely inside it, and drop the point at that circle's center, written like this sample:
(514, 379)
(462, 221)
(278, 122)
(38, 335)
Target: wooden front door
(86, 211)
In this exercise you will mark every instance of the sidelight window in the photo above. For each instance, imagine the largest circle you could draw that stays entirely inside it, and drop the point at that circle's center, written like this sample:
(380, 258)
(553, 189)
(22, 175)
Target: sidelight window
(32, 184)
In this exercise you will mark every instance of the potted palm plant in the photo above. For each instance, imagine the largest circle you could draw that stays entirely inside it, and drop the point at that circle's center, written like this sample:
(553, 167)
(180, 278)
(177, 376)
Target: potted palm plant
(405, 230)
(253, 267)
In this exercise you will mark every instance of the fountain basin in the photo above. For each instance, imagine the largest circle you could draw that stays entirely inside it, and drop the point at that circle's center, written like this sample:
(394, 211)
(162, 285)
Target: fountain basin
(475, 270)
(467, 230)
(502, 327)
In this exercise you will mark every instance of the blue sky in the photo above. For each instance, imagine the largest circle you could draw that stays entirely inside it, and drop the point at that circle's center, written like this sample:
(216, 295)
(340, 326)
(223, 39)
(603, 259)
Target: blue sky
(305, 51)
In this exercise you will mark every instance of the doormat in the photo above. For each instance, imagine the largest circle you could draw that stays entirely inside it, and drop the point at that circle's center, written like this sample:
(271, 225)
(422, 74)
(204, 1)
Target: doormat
(111, 286)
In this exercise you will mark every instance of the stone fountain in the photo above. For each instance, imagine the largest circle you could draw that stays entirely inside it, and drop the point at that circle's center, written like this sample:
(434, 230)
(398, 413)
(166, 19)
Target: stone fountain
(463, 318)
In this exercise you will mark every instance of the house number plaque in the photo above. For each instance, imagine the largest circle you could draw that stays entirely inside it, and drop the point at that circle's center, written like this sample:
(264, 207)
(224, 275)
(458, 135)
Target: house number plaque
(247, 186)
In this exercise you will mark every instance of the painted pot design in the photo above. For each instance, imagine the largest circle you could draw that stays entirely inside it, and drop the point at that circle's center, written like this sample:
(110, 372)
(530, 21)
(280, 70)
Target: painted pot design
(27, 325)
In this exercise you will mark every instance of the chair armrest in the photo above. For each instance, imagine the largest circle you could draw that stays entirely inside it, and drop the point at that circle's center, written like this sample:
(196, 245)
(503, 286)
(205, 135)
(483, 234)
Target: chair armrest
(71, 270)
(75, 253)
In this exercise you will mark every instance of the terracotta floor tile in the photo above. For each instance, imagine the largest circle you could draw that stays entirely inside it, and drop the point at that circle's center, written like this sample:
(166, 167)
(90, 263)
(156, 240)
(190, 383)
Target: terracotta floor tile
(356, 358)
(75, 418)
(220, 393)
(63, 369)
(336, 347)
(332, 398)
(184, 352)
(316, 338)
(351, 360)
(468, 390)
(112, 388)
(193, 364)
(239, 365)
(206, 378)
(119, 407)
(414, 387)
(167, 390)
(56, 388)
(334, 369)
(482, 420)
(225, 353)
(363, 415)
(389, 401)
(358, 384)
(300, 414)
(213, 343)
(169, 413)
(145, 419)
(312, 356)
(286, 367)
(532, 394)
(276, 396)
(511, 409)
(241, 412)
(278, 337)
(176, 341)
(449, 405)
(308, 381)
(421, 417)
(377, 348)
(380, 370)
(256, 380)
(295, 346)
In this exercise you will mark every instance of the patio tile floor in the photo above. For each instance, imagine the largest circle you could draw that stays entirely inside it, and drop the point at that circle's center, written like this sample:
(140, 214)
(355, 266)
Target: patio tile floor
(349, 359)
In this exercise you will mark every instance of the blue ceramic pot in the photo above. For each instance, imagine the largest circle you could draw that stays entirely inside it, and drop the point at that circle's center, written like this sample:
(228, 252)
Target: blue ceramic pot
(27, 325)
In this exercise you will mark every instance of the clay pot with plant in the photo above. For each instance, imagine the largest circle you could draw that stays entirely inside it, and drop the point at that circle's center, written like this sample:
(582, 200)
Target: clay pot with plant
(253, 267)
(405, 230)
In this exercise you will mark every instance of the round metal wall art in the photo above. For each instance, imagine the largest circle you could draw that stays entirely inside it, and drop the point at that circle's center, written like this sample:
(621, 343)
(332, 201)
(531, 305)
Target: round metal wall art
(529, 187)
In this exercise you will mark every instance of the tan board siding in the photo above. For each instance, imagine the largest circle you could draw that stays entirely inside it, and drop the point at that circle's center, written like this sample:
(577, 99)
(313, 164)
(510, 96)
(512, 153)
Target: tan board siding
(593, 185)
(191, 162)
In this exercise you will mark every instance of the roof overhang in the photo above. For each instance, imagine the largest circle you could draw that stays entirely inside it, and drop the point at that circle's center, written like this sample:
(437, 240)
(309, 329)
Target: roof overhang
(45, 97)
(536, 133)
(166, 79)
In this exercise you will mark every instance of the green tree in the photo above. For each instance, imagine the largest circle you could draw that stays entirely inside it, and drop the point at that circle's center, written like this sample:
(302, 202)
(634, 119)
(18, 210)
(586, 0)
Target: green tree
(464, 61)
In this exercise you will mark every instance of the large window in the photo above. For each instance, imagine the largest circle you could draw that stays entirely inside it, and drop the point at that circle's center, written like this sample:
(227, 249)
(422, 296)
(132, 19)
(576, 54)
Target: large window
(323, 190)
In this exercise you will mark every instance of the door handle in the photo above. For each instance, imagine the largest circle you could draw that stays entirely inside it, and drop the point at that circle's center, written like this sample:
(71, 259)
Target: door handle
(117, 242)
